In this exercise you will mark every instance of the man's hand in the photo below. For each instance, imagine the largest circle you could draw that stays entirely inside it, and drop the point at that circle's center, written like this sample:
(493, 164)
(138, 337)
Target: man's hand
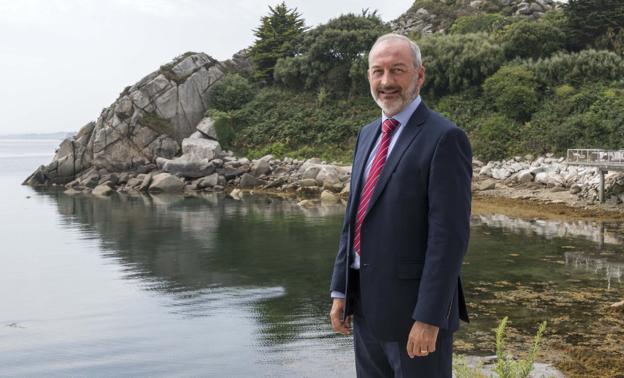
(422, 339)
(336, 317)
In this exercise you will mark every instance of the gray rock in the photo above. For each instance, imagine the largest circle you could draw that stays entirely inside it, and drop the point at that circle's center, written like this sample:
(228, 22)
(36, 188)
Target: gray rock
(231, 173)
(328, 197)
(208, 181)
(187, 166)
(102, 190)
(134, 182)
(307, 183)
(248, 181)
(148, 120)
(524, 176)
(261, 167)
(207, 127)
(166, 183)
(145, 184)
(501, 173)
(201, 148)
(311, 172)
(486, 185)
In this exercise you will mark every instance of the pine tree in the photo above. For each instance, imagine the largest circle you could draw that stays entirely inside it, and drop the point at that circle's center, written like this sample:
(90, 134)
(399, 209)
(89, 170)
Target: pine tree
(277, 37)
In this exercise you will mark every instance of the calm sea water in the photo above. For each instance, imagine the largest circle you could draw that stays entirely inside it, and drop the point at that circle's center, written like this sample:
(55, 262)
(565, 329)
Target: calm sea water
(210, 286)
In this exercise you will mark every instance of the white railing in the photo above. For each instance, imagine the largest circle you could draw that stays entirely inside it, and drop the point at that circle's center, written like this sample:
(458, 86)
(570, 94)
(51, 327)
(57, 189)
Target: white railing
(595, 156)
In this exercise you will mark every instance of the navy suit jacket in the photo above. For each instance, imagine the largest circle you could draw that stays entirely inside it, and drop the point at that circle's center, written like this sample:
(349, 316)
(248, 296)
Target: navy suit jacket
(415, 231)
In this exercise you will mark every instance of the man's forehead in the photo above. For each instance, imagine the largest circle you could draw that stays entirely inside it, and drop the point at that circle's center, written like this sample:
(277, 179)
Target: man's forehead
(391, 48)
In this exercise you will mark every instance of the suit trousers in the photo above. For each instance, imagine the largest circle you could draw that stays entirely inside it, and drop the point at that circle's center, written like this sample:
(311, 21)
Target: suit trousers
(376, 358)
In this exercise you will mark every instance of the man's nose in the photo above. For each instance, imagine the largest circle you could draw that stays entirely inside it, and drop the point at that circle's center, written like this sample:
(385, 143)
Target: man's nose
(387, 78)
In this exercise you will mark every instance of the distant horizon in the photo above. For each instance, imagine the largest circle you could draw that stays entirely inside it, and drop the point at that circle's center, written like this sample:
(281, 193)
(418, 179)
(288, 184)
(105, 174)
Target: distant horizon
(41, 135)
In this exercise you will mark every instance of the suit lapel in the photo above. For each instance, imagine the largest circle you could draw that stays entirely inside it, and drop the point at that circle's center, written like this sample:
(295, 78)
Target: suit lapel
(364, 150)
(405, 139)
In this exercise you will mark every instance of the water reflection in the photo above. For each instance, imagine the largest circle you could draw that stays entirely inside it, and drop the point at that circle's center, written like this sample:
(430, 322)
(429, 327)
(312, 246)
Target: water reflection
(271, 259)
(598, 232)
(265, 254)
(600, 266)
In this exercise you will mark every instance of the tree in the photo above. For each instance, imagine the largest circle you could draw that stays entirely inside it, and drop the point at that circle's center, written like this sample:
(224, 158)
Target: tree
(590, 19)
(457, 62)
(531, 39)
(333, 55)
(513, 89)
(277, 37)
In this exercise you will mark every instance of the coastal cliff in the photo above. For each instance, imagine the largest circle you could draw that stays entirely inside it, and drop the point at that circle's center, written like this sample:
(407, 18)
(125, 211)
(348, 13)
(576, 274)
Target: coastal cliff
(148, 120)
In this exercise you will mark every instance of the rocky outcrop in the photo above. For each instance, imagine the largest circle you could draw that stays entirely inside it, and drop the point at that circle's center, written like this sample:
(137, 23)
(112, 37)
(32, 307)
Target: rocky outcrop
(552, 173)
(149, 120)
(438, 16)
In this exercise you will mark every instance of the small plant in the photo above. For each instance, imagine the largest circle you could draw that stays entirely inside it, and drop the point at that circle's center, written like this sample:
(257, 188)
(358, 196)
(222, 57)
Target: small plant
(462, 369)
(506, 366)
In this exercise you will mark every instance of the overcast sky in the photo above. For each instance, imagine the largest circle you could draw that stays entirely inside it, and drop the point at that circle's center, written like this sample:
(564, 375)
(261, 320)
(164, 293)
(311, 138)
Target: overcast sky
(63, 61)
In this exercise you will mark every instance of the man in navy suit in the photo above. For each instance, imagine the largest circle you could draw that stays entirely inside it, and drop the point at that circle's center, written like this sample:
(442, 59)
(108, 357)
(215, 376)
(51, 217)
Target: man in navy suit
(406, 227)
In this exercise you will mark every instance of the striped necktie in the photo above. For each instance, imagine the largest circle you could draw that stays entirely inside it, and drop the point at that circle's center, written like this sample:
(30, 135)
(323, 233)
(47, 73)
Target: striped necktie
(388, 126)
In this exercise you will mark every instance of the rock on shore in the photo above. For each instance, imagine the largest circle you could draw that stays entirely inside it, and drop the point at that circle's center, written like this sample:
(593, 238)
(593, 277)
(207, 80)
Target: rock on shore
(549, 172)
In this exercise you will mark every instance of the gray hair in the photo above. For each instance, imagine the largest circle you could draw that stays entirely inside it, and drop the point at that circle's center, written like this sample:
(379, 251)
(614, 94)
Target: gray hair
(413, 46)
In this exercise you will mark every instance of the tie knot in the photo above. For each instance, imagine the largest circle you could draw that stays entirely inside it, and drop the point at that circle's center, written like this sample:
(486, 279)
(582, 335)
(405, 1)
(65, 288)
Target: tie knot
(389, 125)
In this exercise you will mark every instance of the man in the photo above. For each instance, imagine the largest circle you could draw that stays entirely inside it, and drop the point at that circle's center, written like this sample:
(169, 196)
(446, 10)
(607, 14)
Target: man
(406, 227)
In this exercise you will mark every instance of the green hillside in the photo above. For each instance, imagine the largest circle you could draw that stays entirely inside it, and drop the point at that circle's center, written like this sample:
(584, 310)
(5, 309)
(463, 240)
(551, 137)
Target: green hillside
(518, 78)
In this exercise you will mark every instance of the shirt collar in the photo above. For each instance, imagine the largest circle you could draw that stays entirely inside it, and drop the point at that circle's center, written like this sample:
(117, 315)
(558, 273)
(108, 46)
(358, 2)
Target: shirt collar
(404, 115)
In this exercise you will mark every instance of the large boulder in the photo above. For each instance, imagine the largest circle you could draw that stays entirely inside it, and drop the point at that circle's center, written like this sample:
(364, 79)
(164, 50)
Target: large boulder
(207, 127)
(149, 119)
(186, 166)
(200, 148)
(166, 183)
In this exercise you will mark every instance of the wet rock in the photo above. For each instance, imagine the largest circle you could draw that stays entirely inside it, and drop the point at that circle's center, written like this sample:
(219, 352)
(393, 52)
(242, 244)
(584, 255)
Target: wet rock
(248, 181)
(236, 194)
(102, 190)
(208, 181)
(328, 197)
(166, 183)
(187, 166)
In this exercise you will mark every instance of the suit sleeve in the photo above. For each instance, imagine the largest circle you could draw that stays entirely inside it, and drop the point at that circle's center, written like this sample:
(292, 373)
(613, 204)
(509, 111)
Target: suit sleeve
(449, 198)
(338, 282)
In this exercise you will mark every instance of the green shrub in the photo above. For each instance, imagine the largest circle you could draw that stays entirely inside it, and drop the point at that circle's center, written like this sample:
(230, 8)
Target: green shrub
(464, 109)
(457, 62)
(297, 119)
(231, 93)
(514, 91)
(488, 23)
(589, 117)
(589, 20)
(224, 125)
(494, 137)
(531, 39)
(587, 66)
